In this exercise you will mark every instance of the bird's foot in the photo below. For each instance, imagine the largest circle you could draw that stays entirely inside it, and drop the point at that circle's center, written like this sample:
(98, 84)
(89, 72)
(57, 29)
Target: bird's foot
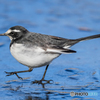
(43, 81)
(12, 73)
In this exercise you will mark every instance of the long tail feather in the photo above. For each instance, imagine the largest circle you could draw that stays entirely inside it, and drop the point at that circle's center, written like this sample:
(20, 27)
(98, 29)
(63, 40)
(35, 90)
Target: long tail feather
(88, 38)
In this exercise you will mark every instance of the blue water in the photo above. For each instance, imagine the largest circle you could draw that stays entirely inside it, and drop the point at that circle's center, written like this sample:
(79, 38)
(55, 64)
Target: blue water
(79, 72)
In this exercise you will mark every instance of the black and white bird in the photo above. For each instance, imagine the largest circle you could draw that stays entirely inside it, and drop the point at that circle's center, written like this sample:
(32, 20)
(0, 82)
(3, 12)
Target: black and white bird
(37, 50)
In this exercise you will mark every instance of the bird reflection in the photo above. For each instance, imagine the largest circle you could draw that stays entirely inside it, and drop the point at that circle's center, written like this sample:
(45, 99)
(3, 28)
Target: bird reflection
(36, 98)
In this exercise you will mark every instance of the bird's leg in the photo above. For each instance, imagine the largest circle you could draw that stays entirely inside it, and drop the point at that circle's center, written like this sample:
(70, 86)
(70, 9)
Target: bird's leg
(43, 80)
(45, 72)
(12, 73)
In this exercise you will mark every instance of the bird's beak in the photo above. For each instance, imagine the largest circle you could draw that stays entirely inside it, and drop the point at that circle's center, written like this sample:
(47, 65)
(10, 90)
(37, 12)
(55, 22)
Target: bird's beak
(3, 34)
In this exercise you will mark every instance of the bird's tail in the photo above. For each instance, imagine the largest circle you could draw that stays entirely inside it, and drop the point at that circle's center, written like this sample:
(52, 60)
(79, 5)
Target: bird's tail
(74, 41)
(88, 38)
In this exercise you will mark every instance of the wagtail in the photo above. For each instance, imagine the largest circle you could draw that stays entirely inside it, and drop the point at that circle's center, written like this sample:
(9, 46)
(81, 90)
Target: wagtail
(37, 50)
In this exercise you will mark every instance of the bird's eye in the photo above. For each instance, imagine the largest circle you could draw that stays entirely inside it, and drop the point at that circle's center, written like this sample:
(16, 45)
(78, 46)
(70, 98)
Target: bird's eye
(11, 33)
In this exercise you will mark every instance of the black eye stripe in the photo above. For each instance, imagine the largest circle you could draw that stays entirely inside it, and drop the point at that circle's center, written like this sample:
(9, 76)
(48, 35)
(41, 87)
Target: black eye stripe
(11, 33)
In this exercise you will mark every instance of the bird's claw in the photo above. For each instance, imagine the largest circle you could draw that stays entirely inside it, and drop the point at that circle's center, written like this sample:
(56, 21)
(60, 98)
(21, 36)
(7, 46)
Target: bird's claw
(12, 73)
(9, 73)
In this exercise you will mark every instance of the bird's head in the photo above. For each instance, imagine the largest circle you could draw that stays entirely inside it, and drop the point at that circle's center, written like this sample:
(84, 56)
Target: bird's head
(15, 32)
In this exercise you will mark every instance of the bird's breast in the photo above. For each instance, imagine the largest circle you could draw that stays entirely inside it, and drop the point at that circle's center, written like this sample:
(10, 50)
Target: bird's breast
(31, 56)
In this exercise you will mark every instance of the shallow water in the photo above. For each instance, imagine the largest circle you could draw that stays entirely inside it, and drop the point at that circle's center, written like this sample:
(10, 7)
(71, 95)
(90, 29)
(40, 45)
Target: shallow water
(79, 72)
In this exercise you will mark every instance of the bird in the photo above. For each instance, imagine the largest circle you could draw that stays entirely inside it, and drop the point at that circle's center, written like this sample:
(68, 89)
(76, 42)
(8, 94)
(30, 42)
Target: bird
(36, 50)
